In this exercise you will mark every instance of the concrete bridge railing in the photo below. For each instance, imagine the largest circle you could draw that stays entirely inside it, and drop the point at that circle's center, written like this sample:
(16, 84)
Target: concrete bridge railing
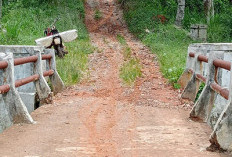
(211, 64)
(22, 76)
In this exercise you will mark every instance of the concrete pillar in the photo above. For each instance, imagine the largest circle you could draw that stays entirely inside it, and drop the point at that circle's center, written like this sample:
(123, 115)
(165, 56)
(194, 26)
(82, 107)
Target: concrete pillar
(190, 64)
(5, 118)
(192, 86)
(56, 81)
(42, 88)
(221, 137)
(27, 92)
(198, 32)
(220, 102)
(202, 108)
(16, 109)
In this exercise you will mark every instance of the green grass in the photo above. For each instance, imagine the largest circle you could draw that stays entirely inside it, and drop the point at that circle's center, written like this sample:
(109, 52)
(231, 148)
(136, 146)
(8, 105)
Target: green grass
(170, 46)
(167, 42)
(202, 85)
(97, 14)
(126, 49)
(130, 71)
(74, 65)
(25, 21)
(121, 40)
(126, 52)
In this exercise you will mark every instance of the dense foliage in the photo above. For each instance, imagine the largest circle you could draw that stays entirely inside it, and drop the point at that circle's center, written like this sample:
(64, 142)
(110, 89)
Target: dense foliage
(141, 14)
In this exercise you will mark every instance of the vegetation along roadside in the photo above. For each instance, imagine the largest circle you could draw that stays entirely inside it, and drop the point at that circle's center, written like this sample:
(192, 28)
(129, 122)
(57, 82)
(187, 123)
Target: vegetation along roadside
(153, 23)
(24, 21)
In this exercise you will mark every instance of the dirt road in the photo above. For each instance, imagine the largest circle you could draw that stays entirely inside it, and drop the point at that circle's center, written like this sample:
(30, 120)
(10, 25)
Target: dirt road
(101, 117)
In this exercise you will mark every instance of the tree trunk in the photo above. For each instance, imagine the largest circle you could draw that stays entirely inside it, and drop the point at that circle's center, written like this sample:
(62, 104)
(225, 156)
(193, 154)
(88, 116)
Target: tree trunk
(0, 14)
(209, 9)
(180, 13)
(212, 8)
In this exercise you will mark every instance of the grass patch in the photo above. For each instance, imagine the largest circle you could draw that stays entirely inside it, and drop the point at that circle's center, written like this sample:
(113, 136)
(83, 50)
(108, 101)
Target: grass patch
(126, 53)
(170, 46)
(202, 85)
(121, 40)
(130, 71)
(74, 65)
(25, 21)
(176, 85)
(97, 14)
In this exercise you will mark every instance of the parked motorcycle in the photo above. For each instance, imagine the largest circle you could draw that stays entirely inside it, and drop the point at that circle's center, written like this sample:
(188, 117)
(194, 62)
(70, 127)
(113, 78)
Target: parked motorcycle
(57, 42)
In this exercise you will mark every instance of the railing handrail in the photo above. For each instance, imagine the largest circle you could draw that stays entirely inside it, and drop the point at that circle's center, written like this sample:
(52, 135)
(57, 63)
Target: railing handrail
(21, 61)
(42, 63)
(4, 89)
(214, 104)
(3, 64)
(203, 58)
(26, 80)
(24, 60)
(192, 54)
(46, 57)
(218, 63)
(222, 91)
(222, 64)
(201, 78)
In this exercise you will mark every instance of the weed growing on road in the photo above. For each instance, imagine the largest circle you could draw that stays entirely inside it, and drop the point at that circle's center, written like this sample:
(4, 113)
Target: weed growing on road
(126, 49)
(97, 15)
(121, 40)
(126, 53)
(131, 69)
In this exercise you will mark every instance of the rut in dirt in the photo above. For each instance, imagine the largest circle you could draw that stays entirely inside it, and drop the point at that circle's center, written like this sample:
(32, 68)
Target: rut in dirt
(101, 117)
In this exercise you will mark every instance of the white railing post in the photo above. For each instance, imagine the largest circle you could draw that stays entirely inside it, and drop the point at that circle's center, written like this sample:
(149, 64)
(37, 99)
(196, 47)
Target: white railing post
(221, 136)
(202, 108)
(56, 81)
(5, 118)
(192, 86)
(190, 63)
(42, 88)
(16, 109)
